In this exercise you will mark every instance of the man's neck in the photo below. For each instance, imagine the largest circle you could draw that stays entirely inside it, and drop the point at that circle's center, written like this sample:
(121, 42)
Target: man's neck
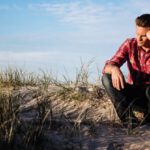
(147, 49)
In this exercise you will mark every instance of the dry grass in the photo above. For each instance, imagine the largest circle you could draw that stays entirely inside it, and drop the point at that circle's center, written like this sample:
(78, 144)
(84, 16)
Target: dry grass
(31, 107)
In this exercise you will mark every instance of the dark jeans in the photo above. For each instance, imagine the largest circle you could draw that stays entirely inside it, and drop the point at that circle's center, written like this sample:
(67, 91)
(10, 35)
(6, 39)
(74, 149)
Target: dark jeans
(128, 98)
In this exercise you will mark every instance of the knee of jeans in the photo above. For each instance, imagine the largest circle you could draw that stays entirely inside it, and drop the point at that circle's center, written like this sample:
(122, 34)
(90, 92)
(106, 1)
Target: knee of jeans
(106, 80)
(148, 92)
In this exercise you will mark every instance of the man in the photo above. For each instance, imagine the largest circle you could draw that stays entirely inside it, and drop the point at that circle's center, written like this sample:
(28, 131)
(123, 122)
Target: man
(136, 91)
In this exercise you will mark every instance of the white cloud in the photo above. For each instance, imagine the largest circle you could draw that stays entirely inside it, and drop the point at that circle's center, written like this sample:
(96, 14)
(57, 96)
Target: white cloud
(75, 12)
(44, 56)
(12, 7)
(34, 61)
(90, 13)
(142, 6)
(22, 56)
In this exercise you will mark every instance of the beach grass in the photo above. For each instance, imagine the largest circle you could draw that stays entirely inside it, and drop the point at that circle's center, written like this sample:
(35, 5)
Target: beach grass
(50, 105)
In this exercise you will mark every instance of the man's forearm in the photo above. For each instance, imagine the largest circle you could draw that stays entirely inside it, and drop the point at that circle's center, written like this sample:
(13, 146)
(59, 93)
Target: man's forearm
(117, 77)
(109, 68)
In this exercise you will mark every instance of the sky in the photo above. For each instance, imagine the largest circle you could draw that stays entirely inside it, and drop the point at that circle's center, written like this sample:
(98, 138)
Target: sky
(60, 35)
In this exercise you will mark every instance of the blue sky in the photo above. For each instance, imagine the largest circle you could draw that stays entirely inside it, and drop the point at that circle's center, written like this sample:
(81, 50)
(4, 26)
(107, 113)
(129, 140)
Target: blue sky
(56, 34)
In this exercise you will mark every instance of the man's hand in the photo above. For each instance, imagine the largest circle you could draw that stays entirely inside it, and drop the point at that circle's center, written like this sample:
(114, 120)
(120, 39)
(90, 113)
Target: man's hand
(148, 34)
(118, 80)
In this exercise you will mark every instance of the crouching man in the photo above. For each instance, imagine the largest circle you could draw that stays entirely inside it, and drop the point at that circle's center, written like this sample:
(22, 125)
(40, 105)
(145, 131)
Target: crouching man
(136, 91)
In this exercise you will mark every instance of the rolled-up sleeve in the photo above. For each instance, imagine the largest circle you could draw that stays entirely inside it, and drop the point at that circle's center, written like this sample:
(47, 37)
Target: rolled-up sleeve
(120, 56)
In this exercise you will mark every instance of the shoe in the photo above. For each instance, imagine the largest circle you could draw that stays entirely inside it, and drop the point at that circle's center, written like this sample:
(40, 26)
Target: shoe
(146, 120)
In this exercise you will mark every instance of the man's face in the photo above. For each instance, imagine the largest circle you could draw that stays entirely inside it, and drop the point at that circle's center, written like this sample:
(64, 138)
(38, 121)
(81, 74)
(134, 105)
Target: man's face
(142, 39)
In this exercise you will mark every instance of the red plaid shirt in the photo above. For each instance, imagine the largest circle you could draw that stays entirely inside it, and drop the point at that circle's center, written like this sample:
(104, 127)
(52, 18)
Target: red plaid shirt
(138, 62)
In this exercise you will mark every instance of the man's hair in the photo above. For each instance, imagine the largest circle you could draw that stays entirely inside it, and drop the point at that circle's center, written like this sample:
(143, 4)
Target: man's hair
(143, 21)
